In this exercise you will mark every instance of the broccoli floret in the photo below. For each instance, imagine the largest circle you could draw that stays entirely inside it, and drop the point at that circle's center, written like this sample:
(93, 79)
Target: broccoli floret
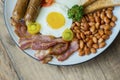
(76, 13)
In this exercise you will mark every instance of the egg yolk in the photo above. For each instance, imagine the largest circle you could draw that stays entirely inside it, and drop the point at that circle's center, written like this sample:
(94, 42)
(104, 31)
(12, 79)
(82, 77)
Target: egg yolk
(55, 20)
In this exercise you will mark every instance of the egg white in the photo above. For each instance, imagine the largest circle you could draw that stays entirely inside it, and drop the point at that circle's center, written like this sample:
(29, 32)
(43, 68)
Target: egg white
(69, 3)
(42, 19)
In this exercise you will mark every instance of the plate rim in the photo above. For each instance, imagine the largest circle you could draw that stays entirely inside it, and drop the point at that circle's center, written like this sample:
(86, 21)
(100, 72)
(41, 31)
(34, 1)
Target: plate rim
(5, 21)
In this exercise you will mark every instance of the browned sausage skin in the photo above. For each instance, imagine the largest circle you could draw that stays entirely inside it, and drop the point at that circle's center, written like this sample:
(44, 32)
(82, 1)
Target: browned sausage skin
(32, 10)
(20, 9)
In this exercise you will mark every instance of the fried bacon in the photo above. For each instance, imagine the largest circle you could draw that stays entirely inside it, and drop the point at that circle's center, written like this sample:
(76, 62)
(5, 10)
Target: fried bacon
(40, 42)
(20, 28)
(38, 45)
(72, 48)
(43, 55)
(42, 45)
(63, 54)
(59, 48)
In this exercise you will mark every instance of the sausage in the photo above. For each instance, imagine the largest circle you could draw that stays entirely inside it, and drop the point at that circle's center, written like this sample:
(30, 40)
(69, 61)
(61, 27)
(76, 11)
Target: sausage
(20, 9)
(32, 10)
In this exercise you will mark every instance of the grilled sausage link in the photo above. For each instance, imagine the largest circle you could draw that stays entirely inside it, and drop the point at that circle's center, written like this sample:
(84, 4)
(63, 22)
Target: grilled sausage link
(32, 10)
(20, 9)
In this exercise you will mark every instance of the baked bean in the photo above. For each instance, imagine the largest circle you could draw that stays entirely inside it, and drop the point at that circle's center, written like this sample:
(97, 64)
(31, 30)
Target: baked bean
(91, 23)
(92, 28)
(108, 32)
(106, 20)
(108, 11)
(97, 19)
(95, 15)
(78, 35)
(105, 37)
(91, 18)
(73, 24)
(78, 31)
(109, 14)
(95, 46)
(100, 40)
(99, 36)
(81, 44)
(97, 25)
(87, 50)
(112, 24)
(77, 23)
(102, 22)
(75, 27)
(94, 39)
(91, 36)
(102, 15)
(96, 35)
(81, 52)
(82, 24)
(88, 33)
(107, 27)
(96, 31)
(86, 17)
(83, 20)
(74, 31)
(102, 26)
(86, 25)
(93, 50)
(89, 43)
(82, 35)
(102, 44)
(98, 13)
(101, 32)
(114, 19)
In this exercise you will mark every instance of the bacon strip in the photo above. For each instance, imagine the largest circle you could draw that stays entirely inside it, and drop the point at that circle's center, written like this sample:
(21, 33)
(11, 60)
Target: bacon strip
(73, 47)
(44, 55)
(45, 43)
(40, 42)
(43, 38)
(59, 48)
(38, 45)
(21, 29)
(25, 43)
(41, 54)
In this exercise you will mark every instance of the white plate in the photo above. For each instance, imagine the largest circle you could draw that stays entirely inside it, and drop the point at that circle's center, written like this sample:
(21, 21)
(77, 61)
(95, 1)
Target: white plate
(75, 58)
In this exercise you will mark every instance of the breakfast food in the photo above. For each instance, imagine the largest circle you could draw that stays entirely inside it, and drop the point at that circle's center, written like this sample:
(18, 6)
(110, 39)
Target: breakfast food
(67, 35)
(59, 28)
(32, 10)
(71, 49)
(46, 3)
(71, 3)
(99, 4)
(20, 9)
(76, 13)
(33, 28)
(93, 30)
(88, 2)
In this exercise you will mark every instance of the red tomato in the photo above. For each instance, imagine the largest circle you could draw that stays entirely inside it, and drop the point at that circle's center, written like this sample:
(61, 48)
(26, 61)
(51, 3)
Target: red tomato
(47, 3)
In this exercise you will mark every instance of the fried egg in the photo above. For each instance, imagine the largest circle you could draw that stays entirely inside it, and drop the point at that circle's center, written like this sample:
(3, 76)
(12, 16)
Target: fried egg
(68, 3)
(54, 20)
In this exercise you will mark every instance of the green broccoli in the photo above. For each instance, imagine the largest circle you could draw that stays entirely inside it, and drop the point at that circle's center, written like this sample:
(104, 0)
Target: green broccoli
(76, 13)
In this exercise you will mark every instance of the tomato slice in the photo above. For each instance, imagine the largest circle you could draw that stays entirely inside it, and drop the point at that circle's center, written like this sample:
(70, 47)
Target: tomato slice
(47, 3)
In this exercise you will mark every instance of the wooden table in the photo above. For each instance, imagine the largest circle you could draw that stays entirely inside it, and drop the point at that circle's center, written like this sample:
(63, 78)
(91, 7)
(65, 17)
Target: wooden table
(15, 65)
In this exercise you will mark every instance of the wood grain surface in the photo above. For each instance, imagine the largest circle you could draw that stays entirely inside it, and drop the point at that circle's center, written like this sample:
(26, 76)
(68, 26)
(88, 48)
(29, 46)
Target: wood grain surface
(15, 65)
